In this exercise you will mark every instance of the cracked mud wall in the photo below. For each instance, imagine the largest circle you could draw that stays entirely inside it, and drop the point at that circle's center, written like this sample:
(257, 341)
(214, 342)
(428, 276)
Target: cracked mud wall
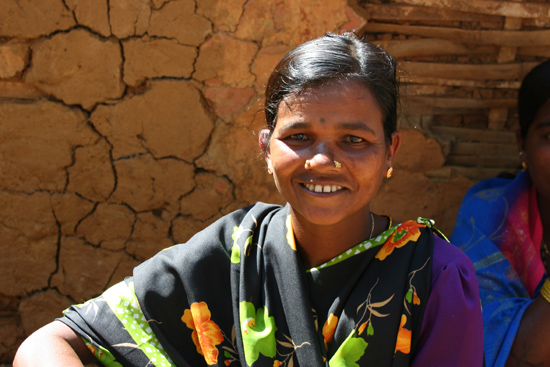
(126, 127)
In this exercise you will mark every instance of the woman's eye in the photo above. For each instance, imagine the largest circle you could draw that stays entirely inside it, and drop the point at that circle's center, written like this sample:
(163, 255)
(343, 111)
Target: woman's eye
(353, 139)
(298, 137)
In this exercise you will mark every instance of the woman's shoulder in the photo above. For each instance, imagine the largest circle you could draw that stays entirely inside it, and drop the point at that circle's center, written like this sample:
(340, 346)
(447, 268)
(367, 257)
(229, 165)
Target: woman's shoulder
(494, 189)
(447, 258)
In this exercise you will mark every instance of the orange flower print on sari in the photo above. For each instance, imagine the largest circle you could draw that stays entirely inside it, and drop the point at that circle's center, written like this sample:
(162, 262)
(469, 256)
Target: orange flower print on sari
(329, 328)
(403, 343)
(206, 334)
(408, 231)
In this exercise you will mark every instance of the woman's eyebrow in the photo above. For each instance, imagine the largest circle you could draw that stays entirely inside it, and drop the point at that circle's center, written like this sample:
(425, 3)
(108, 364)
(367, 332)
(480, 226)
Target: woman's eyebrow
(543, 125)
(358, 125)
(295, 125)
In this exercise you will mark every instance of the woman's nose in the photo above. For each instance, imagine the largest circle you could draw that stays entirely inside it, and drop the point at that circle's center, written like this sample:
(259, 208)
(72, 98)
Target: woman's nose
(322, 157)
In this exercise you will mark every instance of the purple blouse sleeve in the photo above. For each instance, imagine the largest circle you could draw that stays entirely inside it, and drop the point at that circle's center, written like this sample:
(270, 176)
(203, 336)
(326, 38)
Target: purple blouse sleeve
(452, 328)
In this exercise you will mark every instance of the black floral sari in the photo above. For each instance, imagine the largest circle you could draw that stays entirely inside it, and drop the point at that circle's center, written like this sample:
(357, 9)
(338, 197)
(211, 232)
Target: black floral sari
(237, 294)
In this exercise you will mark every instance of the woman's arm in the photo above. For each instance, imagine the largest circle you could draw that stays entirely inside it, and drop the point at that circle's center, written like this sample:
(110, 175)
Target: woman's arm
(55, 344)
(531, 344)
(452, 328)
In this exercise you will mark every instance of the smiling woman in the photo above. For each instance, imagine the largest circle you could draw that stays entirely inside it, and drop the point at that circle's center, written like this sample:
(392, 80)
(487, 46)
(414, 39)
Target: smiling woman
(340, 122)
(322, 281)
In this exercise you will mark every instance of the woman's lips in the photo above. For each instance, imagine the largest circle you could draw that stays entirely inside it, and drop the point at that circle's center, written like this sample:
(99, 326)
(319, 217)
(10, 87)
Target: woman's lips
(322, 188)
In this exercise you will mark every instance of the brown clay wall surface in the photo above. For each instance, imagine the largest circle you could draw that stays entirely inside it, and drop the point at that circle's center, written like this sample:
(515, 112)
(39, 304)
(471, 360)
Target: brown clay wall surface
(127, 126)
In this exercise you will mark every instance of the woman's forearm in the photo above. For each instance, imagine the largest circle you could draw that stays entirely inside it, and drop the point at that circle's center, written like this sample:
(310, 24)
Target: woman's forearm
(532, 342)
(53, 345)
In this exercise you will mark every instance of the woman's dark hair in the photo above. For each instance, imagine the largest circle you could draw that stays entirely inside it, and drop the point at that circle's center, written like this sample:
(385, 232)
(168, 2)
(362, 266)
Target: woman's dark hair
(533, 94)
(331, 59)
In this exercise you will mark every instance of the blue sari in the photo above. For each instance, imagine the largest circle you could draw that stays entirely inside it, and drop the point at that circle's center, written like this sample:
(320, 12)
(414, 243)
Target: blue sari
(498, 226)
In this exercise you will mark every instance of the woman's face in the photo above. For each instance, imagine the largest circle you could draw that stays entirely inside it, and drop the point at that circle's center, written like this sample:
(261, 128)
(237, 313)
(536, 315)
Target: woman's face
(340, 122)
(537, 151)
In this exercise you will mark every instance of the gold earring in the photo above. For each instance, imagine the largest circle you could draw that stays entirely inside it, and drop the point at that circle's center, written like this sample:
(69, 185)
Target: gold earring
(523, 163)
(269, 169)
(389, 172)
(308, 164)
(337, 164)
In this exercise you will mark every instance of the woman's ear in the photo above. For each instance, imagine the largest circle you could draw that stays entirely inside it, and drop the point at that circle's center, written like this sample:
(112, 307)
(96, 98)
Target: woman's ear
(263, 140)
(393, 148)
(520, 141)
(521, 149)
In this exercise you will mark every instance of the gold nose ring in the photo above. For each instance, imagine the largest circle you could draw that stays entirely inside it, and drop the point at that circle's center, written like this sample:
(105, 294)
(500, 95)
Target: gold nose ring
(337, 164)
(308, 164)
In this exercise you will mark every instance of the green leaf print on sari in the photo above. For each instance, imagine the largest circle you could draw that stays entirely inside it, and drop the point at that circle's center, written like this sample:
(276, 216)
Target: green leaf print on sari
(258, 332)
(351, 350)
(235, 249)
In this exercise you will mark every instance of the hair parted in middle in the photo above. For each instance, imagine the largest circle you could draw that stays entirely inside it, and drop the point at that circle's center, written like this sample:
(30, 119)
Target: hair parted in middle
(332, 59)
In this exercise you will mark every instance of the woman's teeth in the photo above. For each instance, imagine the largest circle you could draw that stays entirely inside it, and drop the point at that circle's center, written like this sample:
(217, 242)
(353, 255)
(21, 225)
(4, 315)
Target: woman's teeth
(321, 188)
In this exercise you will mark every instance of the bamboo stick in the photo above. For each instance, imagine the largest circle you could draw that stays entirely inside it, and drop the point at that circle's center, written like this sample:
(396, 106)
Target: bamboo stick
(487, 136)
(459, 103)
(491, 7)
(431, 46)
(495, 84)
(474, 37)
(468, 71)
(414, 13)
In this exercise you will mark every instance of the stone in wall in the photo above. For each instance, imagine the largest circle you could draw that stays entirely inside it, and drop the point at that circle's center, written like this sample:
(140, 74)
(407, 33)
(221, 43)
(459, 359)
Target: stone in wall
(29, 132)
(157, 4)
(228, 101)
(11, 331)
(423, 197)
(93, 14)
(227, 59)
(28, 242)
(92, 175)
(146, 59)
(246, 165)
(224, 14)
(129, 17)
(31, 19)
(354, 21)
(185, 227)
(408, 195)
(150, 234)
(69, 210)
(109, 226)
(84, 270)
(145, 183)
(399, 197)
(177, 20)
(237, 142)
(418, 153)
(124, 269)
(210, 196)
(77, 67)
(290, 22)
(13, 57)
(160, 121)
(42, 308)
(264, 63)
(450, 196)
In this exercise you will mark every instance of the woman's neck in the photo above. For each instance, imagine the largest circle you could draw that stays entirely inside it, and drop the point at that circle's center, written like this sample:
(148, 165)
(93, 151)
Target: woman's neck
(320, 243)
